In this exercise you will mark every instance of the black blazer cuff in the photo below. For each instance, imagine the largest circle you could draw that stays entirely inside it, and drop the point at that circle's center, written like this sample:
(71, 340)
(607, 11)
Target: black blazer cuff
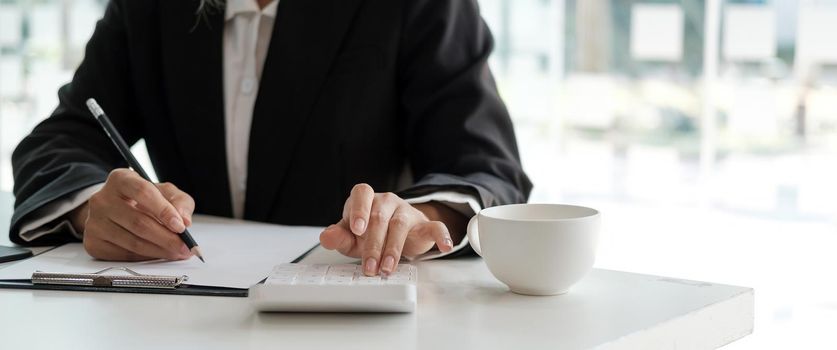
(71, 181)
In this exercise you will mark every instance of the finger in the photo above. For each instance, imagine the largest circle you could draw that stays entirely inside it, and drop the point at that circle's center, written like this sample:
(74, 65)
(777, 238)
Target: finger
(358, 207)
(399, 227)
(130, 185)
(104, 250)
(181, 201)
(383, 208)
(148, 229)
(336, 237)
(425, 235)
(118, 236)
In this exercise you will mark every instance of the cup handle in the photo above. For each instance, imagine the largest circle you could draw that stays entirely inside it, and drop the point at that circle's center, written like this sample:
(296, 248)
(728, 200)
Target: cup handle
(474, 234)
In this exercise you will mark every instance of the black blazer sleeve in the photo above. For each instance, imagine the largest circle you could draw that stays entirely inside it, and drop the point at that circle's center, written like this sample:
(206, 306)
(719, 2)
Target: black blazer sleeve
(459, 134)
(69, 151)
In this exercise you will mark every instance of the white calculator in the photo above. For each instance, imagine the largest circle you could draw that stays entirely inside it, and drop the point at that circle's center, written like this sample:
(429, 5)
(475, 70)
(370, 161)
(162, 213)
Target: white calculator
(335, 288)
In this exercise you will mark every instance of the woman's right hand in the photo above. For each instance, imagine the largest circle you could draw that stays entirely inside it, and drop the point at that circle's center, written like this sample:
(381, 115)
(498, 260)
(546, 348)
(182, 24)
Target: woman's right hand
(130, 220)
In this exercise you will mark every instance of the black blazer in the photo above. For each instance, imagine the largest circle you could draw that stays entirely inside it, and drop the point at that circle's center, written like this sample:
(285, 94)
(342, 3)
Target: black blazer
(352, 91)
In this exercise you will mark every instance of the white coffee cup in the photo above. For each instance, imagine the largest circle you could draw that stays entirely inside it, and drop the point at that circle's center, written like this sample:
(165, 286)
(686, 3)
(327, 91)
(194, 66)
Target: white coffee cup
(536, 249)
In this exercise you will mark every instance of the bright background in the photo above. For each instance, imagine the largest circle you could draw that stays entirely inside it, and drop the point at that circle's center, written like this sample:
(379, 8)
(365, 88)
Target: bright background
(705, 131)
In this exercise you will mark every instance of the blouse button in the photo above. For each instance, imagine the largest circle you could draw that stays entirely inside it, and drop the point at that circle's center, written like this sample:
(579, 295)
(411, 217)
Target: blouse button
(248, 85)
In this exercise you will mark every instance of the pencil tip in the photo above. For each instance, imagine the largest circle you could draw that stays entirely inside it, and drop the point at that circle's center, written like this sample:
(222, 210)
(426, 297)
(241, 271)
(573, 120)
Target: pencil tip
(197, 252)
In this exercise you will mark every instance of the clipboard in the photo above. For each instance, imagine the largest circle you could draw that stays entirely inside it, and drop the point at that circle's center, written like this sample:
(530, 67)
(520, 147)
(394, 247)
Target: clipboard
(182, 290)
(130, 282)
(100, 282)
(242, 253)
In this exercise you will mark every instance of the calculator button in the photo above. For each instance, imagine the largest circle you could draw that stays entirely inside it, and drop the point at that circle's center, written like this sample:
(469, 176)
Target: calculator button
(366, 280)
(338, 280)
(321, 268)
(310, 280)
(287, 267)
(373, 279)
(307, 274)
(345, 268)
(284, 274)
(341, 273)
(280, 280)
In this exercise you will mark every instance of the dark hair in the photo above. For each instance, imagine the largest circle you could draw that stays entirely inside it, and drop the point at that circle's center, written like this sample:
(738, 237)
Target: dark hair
(209, 5)
(206, 8)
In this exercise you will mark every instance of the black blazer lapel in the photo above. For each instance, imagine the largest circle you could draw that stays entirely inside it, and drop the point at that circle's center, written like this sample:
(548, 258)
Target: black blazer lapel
(305, 40)
(193, 74)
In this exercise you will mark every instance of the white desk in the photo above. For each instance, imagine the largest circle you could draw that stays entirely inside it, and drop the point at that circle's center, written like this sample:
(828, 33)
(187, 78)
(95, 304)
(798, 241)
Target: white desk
(460, 307)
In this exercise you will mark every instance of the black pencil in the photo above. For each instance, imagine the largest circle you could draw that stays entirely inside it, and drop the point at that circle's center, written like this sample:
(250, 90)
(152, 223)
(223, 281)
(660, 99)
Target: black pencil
(123, 148)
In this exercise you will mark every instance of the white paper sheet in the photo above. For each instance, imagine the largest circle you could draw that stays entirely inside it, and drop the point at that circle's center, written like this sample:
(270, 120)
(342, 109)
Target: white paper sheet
(238, 254)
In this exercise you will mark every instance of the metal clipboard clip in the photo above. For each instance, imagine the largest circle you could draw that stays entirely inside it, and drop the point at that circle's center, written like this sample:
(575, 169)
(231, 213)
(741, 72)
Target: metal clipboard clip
(99, 279)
